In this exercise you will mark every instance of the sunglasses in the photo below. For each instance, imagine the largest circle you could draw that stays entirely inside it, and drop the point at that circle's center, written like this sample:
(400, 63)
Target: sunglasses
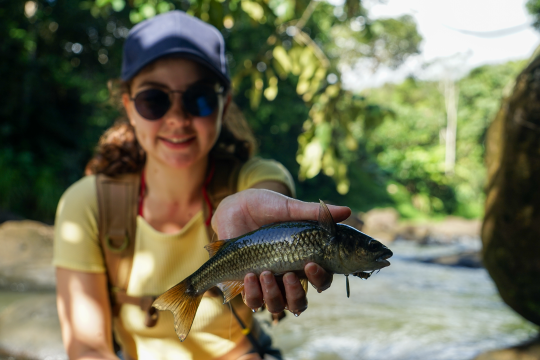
(200, 99)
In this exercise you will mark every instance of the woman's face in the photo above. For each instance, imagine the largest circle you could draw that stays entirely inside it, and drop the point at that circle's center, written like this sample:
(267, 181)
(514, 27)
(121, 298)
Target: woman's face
(178, 139)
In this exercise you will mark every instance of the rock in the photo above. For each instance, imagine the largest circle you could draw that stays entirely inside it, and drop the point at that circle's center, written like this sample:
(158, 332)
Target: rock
(470, 259)
(451, 229)
(527, 351)
(381, 224)
(355, 221)
(26, 256)
(511, 229)
(29, 329)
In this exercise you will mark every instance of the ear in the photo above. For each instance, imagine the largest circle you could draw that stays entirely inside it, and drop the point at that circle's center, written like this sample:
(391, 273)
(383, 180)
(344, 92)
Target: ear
(126, 102)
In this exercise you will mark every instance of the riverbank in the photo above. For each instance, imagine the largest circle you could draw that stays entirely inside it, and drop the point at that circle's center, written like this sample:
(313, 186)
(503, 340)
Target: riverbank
(413, 309)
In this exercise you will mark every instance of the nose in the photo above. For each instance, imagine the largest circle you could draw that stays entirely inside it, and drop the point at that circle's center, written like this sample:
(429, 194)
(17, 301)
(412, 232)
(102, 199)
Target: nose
(177, 115)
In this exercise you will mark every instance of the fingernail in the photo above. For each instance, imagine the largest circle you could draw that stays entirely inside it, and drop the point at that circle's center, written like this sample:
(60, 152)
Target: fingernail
(290, 278)
(251, 278)
(313, 269)
(267, 277)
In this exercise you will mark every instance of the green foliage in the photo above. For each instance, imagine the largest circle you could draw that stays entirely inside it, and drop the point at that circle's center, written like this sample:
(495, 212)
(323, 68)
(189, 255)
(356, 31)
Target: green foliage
(291, 42)
(411, 149)
(533, 6)
(53, 88)
(57, 56)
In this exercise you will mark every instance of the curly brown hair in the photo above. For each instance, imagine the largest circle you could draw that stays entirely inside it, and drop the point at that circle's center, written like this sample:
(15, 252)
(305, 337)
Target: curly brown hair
(118, 151)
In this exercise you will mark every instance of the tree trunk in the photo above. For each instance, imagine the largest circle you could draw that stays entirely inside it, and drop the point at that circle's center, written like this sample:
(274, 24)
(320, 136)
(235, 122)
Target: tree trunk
(511, 228)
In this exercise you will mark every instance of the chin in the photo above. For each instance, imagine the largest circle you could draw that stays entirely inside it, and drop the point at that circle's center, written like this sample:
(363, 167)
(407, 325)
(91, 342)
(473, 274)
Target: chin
(181, 162)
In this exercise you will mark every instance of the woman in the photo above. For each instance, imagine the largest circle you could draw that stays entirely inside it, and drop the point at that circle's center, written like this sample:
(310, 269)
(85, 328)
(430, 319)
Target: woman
(175, 94)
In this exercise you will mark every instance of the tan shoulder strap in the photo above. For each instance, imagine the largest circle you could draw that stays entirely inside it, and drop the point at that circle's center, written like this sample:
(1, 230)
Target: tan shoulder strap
(224, 182)
(117, 201)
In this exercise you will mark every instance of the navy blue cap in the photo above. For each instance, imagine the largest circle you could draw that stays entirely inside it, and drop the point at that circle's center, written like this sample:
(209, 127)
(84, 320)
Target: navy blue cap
(174, 33)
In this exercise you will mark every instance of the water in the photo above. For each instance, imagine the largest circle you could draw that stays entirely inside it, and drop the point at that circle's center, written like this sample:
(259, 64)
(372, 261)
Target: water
(410, 310)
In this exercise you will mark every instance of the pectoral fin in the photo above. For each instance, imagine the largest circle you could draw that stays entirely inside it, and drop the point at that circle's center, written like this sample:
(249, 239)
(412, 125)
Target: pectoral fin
(304, 283)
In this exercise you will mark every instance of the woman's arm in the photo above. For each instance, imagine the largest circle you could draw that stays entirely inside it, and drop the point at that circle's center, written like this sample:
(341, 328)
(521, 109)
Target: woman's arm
(85, 314)
(250, 209)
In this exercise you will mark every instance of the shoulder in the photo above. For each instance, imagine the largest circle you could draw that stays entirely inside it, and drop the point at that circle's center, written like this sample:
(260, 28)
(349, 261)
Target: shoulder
(80, 198)
(78, 204)
(76, 243)
(83, 192)
(257, 170)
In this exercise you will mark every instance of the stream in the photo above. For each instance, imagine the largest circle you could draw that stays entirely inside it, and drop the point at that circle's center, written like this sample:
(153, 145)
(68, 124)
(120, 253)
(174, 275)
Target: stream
(409, 311)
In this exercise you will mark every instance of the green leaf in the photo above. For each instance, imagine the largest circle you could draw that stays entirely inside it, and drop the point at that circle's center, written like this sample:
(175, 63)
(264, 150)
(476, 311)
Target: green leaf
(254, 10)
(281, 56)
(147, 11)
(118, 5)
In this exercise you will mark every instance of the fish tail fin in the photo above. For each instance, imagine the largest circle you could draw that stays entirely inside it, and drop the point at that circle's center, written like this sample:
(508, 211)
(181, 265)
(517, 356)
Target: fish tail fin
(182, 300)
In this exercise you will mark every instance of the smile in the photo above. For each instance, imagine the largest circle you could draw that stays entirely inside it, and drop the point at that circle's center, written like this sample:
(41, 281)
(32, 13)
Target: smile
(178, 141)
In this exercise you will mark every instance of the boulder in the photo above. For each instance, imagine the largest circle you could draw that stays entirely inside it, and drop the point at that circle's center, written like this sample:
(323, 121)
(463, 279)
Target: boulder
(527, 351)
(381, 224)
(470, 259)
(26, 256)
(355, 221)
(451, 229)
(511, 228)
(29, 329)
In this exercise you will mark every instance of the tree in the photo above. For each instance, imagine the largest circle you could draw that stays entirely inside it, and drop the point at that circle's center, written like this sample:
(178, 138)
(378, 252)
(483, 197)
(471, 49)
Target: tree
(64, 52)
(411, 149)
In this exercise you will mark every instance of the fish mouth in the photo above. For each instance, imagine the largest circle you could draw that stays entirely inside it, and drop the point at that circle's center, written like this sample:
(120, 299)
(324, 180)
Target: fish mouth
(382, 259)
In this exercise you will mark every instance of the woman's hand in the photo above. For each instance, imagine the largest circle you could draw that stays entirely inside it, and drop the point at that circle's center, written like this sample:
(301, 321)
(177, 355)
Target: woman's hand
(249, 210)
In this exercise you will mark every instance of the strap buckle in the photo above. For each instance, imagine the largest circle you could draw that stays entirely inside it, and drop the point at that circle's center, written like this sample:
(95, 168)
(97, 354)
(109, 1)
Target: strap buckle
(111, 244)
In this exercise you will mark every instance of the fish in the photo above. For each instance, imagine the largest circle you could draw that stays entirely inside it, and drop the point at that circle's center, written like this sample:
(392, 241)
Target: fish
(279, 248)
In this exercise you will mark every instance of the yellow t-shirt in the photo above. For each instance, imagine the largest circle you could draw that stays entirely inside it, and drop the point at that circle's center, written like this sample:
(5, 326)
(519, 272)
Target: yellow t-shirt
(160, 261)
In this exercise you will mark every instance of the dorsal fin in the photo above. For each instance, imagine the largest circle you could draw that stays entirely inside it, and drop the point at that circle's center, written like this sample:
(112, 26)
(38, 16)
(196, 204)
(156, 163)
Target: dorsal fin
(214, 246)
(326, 221)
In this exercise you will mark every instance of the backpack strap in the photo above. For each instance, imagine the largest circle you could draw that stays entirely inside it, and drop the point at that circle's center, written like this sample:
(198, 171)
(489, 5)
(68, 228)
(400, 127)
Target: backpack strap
(117, 202)
(223, 182)
(118, 199)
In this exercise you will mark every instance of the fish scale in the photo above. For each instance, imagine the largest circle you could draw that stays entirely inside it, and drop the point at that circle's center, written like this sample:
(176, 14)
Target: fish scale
(263, 250)
(279, 248)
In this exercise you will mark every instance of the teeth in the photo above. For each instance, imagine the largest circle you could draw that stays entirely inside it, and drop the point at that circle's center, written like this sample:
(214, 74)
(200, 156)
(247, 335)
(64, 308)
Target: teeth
(178, 141)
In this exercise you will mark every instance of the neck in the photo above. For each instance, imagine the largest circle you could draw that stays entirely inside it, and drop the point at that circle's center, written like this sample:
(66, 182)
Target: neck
(183, 186)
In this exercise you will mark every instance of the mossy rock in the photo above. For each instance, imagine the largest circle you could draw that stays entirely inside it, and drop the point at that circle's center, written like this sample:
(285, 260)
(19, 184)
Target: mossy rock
(511, 228)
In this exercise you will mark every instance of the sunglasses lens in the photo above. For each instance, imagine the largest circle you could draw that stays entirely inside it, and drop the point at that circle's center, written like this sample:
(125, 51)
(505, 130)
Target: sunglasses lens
(200, 100)
(152, 104)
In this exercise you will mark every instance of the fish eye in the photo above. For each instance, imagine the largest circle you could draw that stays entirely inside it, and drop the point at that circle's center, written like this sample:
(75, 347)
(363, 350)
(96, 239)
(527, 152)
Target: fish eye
(373, 244)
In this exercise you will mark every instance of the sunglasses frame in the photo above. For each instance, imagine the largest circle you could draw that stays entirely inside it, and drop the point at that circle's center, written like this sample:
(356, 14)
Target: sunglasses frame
(218, 89)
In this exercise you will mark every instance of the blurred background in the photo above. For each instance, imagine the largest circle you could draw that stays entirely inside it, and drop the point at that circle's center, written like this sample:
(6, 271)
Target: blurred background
(389, 107)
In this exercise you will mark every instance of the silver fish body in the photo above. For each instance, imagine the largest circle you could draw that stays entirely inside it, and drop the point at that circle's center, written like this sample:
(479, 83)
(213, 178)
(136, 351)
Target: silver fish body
(279, 248)
(286, 247)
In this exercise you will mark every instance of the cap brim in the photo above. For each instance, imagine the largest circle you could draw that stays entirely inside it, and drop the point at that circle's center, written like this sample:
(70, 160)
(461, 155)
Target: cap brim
(185, 53)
